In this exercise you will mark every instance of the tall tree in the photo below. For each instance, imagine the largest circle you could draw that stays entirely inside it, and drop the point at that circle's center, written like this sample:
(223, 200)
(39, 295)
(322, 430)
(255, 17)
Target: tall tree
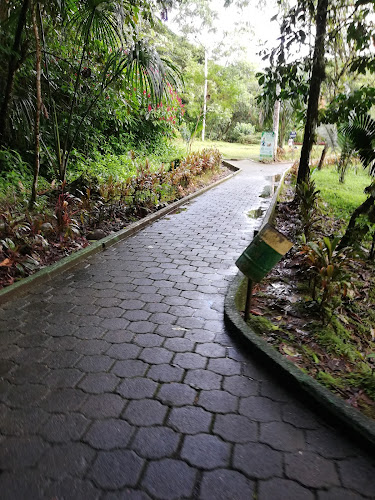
(317, 76)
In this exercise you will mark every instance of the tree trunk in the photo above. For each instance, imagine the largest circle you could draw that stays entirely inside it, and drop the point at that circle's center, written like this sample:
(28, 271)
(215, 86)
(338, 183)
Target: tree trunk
(317, 76)
(276, 118)
(323, 157)
(15, 60)
(38, 104)
(4, 10)
(349, 235)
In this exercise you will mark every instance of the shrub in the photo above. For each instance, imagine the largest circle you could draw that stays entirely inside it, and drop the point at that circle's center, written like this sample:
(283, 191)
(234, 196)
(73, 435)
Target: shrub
(242, 133)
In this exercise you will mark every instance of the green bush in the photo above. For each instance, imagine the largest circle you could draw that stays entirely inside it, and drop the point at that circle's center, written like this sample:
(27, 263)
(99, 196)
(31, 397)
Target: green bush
(242, 133)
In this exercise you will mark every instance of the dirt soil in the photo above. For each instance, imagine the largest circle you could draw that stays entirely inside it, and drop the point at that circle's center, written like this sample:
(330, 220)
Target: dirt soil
(35, 249)
(337, 347)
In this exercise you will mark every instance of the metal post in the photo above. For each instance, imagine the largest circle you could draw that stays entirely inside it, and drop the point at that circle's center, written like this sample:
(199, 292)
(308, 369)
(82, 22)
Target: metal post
(249, 295)
(205, 92)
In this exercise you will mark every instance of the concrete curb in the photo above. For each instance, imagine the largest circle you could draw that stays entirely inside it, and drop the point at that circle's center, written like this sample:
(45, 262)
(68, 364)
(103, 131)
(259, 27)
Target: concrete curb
(322, 400)
(44, 275)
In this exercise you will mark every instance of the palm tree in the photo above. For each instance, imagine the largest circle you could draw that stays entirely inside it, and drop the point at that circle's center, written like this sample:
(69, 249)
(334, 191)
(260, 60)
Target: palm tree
(360, 136)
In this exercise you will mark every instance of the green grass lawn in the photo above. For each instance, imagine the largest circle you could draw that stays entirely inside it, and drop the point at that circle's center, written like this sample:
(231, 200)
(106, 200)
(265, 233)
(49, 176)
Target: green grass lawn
(342, 199)
(236, 151)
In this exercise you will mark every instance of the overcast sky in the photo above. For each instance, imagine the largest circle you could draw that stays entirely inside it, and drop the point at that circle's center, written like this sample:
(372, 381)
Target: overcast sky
(230, 19)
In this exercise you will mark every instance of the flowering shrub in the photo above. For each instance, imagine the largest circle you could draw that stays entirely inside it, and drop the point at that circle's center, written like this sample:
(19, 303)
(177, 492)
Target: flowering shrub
(167, 115)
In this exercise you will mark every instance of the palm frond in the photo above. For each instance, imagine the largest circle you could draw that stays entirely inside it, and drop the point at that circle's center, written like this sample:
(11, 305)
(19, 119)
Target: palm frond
(360, 132)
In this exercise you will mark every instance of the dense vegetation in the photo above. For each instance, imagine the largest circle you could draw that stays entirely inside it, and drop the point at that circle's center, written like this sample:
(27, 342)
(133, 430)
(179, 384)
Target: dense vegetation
(317, 306)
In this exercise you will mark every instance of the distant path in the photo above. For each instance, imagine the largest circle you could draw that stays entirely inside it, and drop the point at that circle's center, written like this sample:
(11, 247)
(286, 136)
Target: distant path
(120, 381)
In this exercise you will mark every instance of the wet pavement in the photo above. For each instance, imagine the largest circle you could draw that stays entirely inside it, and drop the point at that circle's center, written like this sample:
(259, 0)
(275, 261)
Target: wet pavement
(120, 380)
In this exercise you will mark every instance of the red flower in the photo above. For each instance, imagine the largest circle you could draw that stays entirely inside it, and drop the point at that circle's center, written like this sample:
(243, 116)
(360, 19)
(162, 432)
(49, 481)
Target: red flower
(149, 107)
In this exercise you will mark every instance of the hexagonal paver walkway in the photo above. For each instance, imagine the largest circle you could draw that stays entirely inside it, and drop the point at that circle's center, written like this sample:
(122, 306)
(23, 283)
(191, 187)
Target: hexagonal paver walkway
(120, 381)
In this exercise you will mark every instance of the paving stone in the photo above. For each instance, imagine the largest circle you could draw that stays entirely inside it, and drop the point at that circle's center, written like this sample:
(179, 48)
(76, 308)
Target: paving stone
(74, 489)
(260, 409)
(169, 479)
(177, 394)
(205, 451)
(123, 351)
(115, 324)
(179, 345)
(130, 368)
(156, 355)
(165, 373)
(127, 494)
(148, 340)
(300, 416)
(258, 461)
(224, 366)
(137, 315)
(145, 412)
(223, 484)
(218, 401)
(239, 385)
(235, 428)
(282, 436)
(210, 350)
(156, 307)
(339, 494)
(109, 434)
(190, 360)
(200, 336)
(358, 474)
(118, 336)
(137, 388)
(203, 379)
(116, 469)
(31, 373)
(162, 318)
(281, 489)
(269, 389)
(89, 332)
(174, 301)
(311, 470)
(171, 331)
(155, 442)
(90, 347)
(103, 406)
(21, 422)
(190, 420)
(190, 323)
(62, 428)
(21, 452)
(180, 311)
(98, 363)
(21, 486)
(325, 442)
(64, 400)
(107, 302)
(63, 460)
(142, 327)
(103, 309)
(64, 359)
(98, 383)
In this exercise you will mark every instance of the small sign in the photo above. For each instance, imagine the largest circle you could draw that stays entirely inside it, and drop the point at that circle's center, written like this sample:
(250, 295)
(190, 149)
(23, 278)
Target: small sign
(267, 144)
(293, 135)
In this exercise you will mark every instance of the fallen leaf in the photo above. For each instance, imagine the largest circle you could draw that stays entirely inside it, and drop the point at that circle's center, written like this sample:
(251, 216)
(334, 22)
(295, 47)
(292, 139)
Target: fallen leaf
(6, 263)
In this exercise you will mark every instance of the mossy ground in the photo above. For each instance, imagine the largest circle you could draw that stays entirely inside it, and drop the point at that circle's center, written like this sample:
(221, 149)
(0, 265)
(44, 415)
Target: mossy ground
(335, 342)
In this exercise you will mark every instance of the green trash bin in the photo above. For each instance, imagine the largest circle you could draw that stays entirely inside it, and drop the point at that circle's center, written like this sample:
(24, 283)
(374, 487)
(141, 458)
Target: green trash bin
(263, 253)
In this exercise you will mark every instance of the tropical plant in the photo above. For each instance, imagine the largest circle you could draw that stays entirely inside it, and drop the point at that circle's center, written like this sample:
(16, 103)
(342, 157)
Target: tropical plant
(327, 265)
(307, 196)
(359, 133)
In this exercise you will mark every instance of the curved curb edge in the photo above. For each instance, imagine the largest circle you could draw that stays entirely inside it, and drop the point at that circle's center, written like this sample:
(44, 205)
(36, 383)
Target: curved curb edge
(335, 410)
(47, 273)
